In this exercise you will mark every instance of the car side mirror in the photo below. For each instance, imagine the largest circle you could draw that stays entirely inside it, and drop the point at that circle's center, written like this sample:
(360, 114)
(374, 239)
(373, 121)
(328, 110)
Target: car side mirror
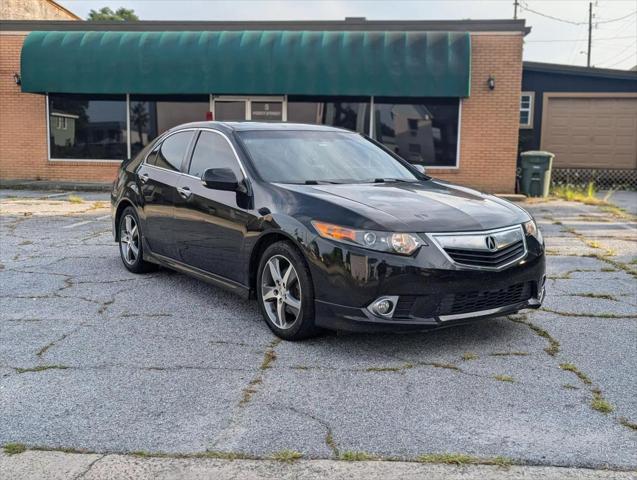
(420, 168)
(220, 179)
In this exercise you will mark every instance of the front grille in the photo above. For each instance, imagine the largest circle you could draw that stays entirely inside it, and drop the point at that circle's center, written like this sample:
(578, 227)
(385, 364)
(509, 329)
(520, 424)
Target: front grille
(484, 258)
(455, 303)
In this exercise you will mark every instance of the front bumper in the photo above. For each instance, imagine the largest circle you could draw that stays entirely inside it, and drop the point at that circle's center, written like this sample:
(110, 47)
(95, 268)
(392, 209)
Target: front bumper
(432, 292)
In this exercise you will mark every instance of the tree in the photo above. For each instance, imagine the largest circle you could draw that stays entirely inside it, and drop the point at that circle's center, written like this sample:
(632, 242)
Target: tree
(120, 15)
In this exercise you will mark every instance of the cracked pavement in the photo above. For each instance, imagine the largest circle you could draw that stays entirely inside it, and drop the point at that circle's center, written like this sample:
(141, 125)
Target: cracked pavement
(94, 358)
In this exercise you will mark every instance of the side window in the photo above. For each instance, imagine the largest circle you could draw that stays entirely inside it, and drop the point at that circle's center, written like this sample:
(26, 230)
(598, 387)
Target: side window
(172, 151)
(213, 151)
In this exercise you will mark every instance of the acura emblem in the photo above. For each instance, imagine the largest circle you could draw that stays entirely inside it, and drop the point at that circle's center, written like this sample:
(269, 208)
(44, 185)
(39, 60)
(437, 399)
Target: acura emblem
(491, 243)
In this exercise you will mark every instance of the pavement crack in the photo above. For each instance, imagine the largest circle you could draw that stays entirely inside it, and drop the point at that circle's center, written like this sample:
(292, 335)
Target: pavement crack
(89, 467)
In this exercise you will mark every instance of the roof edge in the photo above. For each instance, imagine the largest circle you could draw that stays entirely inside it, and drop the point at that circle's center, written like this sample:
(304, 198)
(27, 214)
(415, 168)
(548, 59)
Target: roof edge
(578, 70)
(351, 24)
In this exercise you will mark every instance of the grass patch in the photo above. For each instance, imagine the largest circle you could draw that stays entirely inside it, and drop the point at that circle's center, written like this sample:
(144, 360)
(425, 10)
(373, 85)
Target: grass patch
(569, 367)
(554, 346)
(222, 455)
(569, 386)
(400, 368)
(14, 448)
(462, 459)
(607, 269)
(604, 296)
(509, 354)
(618, 265)
(249, 391)
(287, 456)
(599, 403)
(25, 242)
(41, 368)
(98, 205)
(589, 315)
(75, 199)
(626, 423)
(448, 366)
(504, 378)
(467, 356)
(350, 456)
(270, 355)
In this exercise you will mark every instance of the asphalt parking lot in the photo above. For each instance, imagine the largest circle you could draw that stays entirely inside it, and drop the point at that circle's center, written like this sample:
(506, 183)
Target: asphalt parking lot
(95, 358)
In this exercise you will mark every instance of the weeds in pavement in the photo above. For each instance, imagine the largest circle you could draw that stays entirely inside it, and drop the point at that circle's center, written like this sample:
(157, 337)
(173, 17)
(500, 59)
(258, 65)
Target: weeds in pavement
(626, 423)
(14, 448)
(569, 367)
(462, 459)
(41, 368)
(469, 356)
(75, 199)
(504, 378)
(599, 403)
(350, 456)
(400, 368)
(287, 456)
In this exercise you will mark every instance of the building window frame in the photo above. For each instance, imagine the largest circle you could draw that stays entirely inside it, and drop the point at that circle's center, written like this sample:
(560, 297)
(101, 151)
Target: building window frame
(248, 99)
(75, 160)
(530, 109)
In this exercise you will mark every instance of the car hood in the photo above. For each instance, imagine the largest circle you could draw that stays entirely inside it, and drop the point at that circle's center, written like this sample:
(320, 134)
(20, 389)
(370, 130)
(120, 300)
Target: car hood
(428, 206)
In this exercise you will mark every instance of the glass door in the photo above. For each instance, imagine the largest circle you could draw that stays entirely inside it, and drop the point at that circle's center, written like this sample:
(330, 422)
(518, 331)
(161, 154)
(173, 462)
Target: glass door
(258, 109)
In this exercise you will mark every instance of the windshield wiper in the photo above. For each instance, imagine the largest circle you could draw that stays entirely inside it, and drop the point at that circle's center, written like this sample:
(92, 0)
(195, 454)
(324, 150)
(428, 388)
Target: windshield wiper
(384, 180)
(321, 182)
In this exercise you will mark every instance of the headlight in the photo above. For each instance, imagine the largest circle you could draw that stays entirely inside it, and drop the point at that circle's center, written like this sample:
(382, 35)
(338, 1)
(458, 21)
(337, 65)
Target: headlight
(530, 228)
(401, 243)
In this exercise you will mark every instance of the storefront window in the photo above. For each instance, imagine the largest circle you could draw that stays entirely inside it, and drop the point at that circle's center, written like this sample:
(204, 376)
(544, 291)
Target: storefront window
(87, 127)
(151, 116)
(349, 113)
(423, 132)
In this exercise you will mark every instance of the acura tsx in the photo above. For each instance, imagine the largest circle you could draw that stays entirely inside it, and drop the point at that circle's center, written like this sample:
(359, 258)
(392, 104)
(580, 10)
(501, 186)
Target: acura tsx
(326, 228)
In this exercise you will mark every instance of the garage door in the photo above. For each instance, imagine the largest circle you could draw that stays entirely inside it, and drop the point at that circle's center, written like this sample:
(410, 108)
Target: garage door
(591, 132)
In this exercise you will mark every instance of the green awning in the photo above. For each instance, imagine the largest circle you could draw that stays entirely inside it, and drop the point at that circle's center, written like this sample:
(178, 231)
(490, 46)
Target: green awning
(409, 64)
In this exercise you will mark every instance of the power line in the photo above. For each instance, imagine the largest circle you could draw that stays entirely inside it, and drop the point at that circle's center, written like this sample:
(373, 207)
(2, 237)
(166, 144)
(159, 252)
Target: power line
(617, 19)
(622, 60)
(560, 40)
(620, 53)
(525, 7)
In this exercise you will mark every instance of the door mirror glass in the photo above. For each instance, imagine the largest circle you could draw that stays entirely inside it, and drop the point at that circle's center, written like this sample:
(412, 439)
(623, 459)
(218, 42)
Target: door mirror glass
(220, 179)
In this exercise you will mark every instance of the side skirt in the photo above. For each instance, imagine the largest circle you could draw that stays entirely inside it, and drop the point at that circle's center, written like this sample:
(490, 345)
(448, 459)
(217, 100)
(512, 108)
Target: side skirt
(208, 277)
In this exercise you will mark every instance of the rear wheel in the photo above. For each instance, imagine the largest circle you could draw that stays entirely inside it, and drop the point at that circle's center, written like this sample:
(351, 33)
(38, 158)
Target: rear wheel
(130, 242)
(285, 292)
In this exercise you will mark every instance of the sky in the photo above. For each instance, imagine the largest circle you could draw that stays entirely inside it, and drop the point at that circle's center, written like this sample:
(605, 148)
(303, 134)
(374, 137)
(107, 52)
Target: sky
(562, 39)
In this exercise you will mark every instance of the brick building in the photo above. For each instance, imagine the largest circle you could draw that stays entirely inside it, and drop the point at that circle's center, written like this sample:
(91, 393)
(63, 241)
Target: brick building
(78, 97)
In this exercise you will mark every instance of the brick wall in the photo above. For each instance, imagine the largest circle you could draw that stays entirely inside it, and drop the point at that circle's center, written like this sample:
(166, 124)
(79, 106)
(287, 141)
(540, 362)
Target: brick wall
(23, 143)
(490, 118)
(488, 131)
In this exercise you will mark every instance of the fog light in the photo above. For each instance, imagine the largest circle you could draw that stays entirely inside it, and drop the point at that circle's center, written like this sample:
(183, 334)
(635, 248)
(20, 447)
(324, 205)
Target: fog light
(383, 306)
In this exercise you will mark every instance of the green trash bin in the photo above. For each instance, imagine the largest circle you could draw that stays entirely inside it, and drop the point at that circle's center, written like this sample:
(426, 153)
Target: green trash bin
(535, 176)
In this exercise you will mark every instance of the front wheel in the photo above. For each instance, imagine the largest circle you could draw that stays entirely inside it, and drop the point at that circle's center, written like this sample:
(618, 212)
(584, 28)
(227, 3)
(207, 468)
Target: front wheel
(285, 292)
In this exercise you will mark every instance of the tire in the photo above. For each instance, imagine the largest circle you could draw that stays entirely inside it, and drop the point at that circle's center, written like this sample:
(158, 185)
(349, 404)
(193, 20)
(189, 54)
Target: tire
(130, 243)
(287, 306)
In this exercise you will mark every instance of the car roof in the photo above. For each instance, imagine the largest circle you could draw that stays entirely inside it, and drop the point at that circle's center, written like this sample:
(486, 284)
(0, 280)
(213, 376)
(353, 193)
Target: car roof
(263, 126)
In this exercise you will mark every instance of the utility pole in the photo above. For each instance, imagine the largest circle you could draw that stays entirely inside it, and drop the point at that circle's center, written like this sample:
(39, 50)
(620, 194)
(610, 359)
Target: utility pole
(590, 30)
(515, 9)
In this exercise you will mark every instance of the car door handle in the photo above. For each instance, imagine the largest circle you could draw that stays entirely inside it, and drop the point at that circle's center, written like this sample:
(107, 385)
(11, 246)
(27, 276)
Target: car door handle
(184, 192)
(144, 177)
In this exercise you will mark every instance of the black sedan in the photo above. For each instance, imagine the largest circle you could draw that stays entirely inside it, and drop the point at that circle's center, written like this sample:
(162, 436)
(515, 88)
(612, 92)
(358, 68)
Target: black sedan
(325, 227)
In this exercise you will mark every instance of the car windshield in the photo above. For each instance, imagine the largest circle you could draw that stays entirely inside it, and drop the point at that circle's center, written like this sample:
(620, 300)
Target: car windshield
(321, 157)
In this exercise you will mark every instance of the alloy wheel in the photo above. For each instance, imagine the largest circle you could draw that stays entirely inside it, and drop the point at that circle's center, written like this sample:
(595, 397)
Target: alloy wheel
(281, 292)
(129, 240)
